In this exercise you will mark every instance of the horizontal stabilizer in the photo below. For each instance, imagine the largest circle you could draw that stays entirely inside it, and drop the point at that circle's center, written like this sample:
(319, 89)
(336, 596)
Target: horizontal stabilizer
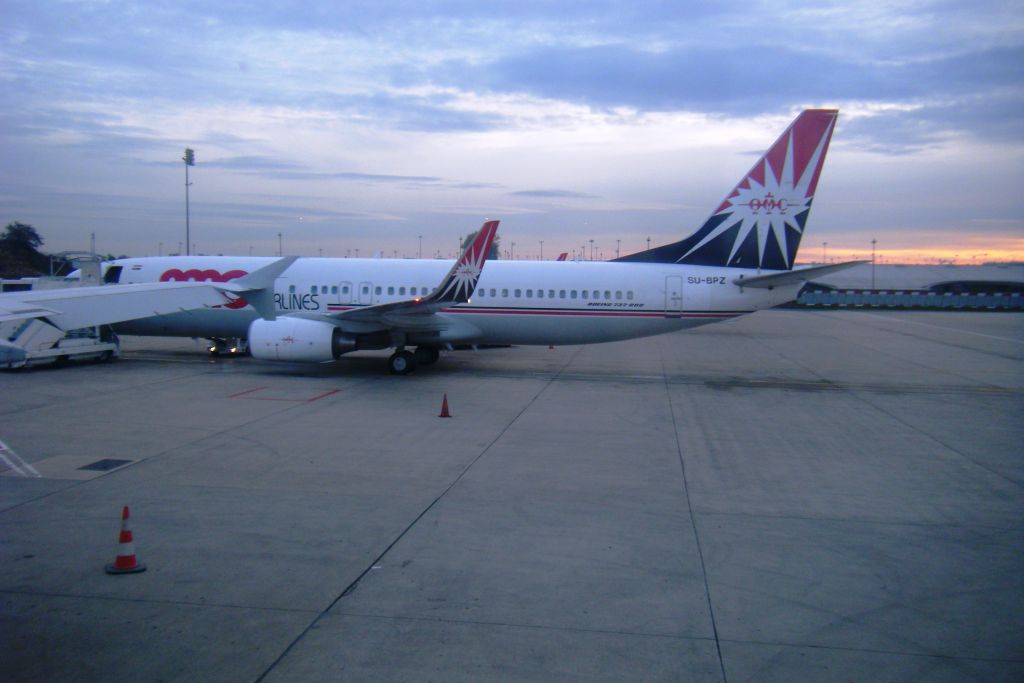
(792, 277)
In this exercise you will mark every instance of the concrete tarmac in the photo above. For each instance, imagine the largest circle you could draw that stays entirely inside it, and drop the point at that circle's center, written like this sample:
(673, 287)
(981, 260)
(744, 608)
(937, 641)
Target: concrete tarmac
(793, 495)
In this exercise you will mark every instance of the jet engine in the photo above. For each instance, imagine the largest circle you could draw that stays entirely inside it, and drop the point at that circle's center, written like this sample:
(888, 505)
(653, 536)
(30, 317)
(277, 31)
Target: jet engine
(297, 339)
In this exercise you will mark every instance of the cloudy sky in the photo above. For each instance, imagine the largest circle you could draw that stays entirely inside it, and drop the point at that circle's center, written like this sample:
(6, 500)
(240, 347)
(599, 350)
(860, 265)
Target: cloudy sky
(352, 125)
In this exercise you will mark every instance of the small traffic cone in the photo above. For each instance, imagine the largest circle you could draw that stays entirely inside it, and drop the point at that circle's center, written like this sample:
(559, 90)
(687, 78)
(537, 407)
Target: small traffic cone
(444, 407)
(125, 563)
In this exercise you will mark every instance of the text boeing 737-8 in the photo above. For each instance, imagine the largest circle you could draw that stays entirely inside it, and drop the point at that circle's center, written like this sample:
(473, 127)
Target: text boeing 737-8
(739, 261)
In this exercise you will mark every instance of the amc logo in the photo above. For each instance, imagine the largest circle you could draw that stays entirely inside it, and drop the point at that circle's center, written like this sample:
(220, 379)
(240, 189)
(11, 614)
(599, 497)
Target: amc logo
(208, 275)
(769, 204)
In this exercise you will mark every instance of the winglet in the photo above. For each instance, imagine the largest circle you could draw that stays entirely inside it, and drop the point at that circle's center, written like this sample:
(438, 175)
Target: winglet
(460, 282)
(258, 286)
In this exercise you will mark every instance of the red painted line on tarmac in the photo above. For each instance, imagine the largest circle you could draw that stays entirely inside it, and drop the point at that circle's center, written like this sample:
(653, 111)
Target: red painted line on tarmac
(323, 395)
(247, 391)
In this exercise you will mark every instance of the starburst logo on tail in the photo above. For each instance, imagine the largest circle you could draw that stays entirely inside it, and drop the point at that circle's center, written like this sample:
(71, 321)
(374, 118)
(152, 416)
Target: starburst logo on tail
(759, 225)
(463, 278)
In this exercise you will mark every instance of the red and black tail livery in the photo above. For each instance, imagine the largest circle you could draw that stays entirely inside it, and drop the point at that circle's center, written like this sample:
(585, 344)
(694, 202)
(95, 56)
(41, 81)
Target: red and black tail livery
(760, 223)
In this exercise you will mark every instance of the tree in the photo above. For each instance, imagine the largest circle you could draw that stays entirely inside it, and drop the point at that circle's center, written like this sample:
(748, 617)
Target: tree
(22, 236)
(18, 252)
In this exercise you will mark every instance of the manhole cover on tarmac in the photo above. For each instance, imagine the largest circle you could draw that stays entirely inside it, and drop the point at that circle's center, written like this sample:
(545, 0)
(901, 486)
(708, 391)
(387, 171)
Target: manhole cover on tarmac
(104, 465)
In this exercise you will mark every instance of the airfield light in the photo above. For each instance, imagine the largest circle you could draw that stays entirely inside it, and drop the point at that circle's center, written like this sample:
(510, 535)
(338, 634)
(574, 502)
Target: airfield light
(190, 160)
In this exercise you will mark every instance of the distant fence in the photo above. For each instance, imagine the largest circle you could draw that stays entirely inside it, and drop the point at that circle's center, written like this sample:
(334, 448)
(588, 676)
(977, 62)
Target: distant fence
(910, 299)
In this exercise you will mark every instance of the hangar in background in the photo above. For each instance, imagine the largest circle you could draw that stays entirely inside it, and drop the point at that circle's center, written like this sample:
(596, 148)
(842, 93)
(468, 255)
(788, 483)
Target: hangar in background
(990, 287)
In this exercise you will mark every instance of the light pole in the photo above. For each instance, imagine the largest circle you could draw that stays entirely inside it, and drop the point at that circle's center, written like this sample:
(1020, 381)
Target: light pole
(648, 242)
(92, 243)
(279, 245)
(419, 254)
(824, 252)
(542, 250)
(617, 248)
(873, 263)
(190, 160)
(512, 252)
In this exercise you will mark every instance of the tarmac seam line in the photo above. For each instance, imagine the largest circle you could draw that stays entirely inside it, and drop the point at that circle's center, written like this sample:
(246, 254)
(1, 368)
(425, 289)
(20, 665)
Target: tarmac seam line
(149, 601)
(858, 395)
(351, 586)
(542, 627)
(154, 456)
(845, 648)
(693, 525)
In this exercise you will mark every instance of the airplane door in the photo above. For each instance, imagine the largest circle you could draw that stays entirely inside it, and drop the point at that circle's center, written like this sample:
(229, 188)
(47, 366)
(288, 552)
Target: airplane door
(366, 293)
(345, 294)
(673, 296)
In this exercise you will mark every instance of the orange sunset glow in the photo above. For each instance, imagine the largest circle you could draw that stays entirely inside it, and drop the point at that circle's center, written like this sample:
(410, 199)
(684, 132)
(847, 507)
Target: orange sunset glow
(960, 250)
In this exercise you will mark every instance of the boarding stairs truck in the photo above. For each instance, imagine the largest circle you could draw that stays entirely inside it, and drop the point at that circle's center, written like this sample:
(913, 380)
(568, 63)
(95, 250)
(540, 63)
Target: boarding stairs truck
(35, 341)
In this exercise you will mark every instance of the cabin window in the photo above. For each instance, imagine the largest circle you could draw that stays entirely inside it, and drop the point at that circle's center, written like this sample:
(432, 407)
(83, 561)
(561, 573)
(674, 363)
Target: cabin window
(504, 293)
(572, 294)
(519, 293)
(391, 290)
(629, 295)
(551, 294)
(492, 292)
(401, 291)
(312, 290)
(561, 294)
(597, 295)
(607, 295)
(344, 289)
(618, 295)
(585, 293)
(334, 289)
(377, 290)
(291, 289)
(366, 290)
(529, 294)
(540, 293)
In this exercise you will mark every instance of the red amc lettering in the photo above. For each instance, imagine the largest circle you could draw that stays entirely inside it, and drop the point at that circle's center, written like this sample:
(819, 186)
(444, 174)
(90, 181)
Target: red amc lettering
(208, 275)
(769, 204)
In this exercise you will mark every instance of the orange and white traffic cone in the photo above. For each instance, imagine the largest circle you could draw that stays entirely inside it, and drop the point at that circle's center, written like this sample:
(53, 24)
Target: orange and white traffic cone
(126, 562)
(444, 407)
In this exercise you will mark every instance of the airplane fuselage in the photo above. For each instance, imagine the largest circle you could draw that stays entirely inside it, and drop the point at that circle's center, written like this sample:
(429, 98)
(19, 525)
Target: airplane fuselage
(515, 302)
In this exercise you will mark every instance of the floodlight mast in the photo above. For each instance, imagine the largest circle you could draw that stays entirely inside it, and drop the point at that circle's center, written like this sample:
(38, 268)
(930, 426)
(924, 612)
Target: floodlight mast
(190, 160)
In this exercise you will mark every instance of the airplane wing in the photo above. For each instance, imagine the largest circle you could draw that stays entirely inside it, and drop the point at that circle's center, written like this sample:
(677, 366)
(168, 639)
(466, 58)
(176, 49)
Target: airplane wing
(420, 313)
(792, 277)
(72, 308)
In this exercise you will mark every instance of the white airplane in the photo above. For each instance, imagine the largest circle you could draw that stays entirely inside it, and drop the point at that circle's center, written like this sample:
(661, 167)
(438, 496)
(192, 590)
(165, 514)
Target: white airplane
(739, 261)
(34, 323)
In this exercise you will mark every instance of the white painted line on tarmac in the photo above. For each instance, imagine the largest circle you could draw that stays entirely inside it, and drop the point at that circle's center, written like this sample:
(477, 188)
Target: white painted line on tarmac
(14, 461)
(941, 327)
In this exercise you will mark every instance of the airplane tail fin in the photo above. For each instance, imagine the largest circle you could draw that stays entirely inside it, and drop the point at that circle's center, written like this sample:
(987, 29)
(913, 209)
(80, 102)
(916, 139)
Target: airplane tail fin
(760, 223)
(460, 282)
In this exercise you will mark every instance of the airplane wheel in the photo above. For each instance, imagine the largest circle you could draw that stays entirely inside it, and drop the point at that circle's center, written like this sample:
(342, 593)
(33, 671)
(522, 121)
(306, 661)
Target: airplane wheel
(401, 363)
(426, 355)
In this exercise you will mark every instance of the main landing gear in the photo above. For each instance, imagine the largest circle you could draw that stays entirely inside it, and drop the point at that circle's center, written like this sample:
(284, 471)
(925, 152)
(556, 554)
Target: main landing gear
(225, 347)
(403, 362)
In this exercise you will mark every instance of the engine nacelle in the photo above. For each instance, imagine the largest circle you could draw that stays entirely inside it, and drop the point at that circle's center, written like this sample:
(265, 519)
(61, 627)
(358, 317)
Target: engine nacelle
(297, 339)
